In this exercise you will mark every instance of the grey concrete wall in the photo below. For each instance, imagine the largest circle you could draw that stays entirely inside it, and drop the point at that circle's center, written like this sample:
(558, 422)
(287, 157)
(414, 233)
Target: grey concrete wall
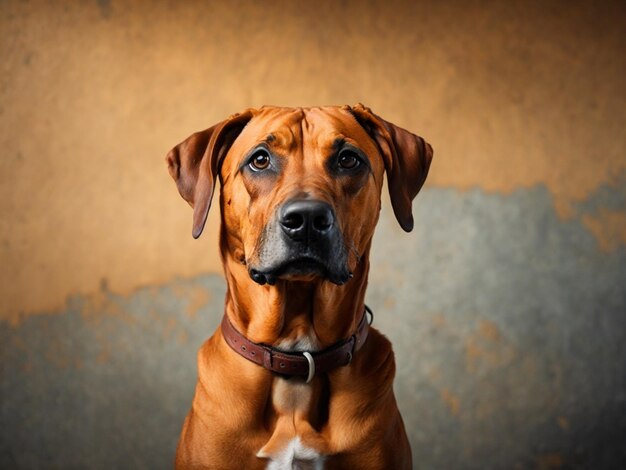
(506, 305)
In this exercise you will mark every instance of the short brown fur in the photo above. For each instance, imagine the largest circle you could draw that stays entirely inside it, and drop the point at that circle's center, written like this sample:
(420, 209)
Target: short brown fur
(349, 415)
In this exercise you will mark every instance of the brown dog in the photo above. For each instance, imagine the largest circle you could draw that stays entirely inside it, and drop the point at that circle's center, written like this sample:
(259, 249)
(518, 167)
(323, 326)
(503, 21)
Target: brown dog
(294, 377)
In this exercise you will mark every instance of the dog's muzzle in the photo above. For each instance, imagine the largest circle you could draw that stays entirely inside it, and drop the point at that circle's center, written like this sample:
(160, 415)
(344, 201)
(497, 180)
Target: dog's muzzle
(303, 239)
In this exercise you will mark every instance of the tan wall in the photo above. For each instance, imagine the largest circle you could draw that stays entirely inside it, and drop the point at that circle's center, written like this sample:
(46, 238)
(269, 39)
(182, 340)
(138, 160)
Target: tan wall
(93, 94)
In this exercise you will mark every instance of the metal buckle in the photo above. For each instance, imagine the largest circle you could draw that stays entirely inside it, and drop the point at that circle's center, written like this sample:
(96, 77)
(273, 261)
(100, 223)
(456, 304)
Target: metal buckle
(309, 358)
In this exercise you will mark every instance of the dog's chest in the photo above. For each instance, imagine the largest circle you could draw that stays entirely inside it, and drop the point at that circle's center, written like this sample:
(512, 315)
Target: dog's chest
(288, 446)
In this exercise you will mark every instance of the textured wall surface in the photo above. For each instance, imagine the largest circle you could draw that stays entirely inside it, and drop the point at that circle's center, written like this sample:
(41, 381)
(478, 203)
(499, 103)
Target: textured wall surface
(506, 305)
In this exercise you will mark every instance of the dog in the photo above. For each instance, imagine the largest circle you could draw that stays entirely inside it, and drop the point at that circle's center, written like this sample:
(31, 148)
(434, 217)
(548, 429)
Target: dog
(295, 377)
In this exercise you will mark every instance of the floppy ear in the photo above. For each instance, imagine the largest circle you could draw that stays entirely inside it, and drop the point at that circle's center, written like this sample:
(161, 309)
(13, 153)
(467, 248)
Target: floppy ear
(407, 159)
(194, 164)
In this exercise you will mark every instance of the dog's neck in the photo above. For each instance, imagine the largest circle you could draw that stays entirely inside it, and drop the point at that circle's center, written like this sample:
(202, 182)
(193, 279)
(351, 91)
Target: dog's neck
(295, 315)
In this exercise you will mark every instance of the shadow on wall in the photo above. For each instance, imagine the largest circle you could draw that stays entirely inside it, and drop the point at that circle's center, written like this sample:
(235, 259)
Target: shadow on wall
(494, 305)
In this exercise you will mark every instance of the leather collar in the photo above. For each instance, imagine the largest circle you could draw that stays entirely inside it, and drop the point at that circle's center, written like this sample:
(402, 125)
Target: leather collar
(305, 364)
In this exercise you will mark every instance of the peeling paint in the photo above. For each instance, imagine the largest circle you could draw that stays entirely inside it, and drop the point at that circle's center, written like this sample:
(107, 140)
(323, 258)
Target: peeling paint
(451, 400)
(484, 349)
(609, 228)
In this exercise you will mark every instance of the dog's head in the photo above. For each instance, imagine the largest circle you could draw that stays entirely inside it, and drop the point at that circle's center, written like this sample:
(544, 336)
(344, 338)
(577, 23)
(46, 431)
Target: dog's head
(300, 186)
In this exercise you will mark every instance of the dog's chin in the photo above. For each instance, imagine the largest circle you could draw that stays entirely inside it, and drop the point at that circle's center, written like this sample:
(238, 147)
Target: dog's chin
(300, 269)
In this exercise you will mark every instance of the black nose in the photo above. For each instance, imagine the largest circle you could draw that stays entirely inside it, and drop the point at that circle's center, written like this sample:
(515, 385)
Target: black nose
(304, 219)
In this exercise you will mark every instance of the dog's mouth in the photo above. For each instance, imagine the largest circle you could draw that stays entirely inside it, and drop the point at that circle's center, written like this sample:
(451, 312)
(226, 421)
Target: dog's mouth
(302, 268)
(282, 255)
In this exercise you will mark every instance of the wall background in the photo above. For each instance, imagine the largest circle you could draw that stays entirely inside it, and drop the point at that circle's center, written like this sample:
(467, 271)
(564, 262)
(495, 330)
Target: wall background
(507, 301)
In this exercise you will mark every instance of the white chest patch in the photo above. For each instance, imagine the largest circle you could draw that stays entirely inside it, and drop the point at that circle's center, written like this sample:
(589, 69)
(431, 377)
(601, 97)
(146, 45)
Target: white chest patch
(296, 457)
(291, 398)
(307, 342)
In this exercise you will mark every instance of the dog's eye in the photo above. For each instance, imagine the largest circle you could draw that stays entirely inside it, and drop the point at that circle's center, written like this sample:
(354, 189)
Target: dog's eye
(259, 161)
(349, 160)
